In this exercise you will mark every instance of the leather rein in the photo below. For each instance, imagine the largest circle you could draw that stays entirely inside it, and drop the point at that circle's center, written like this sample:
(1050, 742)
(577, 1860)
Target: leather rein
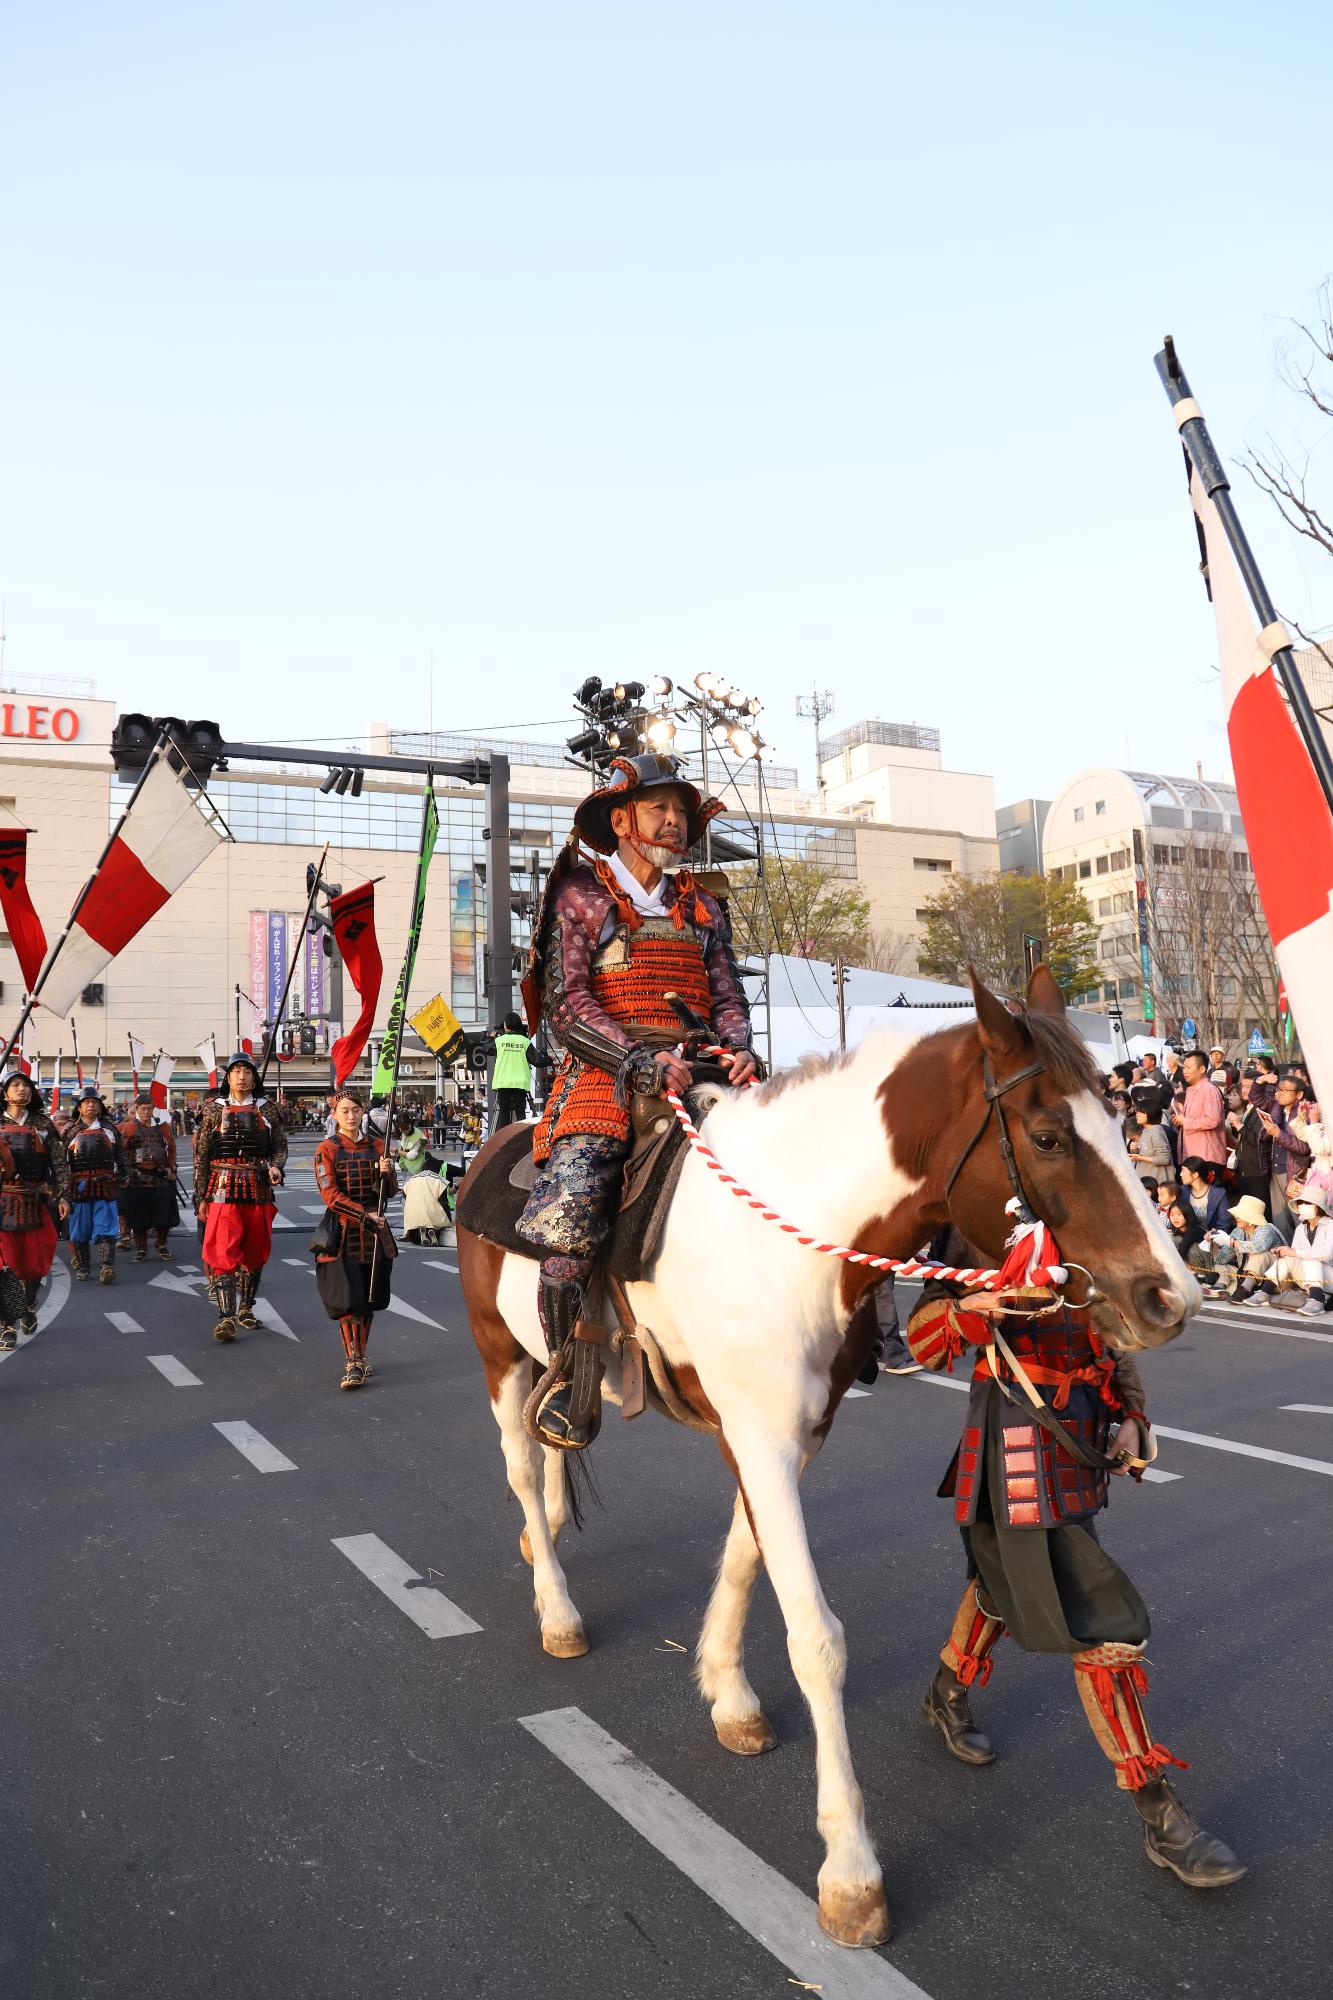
(994, 1094)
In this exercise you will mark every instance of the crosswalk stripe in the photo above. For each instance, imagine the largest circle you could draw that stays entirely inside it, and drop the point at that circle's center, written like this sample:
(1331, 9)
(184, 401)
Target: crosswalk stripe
(1313, 1409)
(436, 1615)
(264, 1457)
(762, 1902)
(438, 1264)
(123, 1323)
(175, 1371)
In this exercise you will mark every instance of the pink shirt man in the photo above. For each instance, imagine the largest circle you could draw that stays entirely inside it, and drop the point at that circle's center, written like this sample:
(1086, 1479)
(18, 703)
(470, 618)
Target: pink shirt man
(1203, 1122)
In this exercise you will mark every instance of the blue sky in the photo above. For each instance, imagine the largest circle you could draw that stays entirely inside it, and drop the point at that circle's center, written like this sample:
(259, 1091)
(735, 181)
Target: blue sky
(810, 344)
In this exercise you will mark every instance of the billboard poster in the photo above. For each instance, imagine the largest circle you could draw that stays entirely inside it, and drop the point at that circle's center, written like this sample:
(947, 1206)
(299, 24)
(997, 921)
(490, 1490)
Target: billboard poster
(259, 961)
(315, 963)
(277, 962)
(1145, 962)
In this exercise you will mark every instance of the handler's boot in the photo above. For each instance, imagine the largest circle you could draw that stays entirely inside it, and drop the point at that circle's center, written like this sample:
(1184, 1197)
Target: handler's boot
(565, 1408)
(965, 1659)
(1111, 1683)
(78, 1261)
(247, 1286)
(224, 1298)
(106, 1260)
(28, 1317)
(140, 1245)
(164, 1249)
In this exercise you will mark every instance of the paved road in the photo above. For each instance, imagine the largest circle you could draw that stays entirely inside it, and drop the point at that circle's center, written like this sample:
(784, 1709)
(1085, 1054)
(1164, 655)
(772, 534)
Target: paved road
(233, 1764)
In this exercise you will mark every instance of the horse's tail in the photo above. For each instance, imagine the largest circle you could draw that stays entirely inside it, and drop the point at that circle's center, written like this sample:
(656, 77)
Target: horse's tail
(580, 1484)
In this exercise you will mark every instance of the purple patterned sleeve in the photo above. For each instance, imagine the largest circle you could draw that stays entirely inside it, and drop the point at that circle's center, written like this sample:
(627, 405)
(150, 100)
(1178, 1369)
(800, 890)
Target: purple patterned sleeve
(576, 1016)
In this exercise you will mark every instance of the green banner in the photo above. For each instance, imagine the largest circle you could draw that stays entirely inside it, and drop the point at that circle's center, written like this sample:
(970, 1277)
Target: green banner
(386, 1070)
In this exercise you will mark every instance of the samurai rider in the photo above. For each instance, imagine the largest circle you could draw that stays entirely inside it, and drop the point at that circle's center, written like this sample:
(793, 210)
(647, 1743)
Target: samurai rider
(615, 935)
(1036, 1569)
(240, 1150)
(34, 1180)
(96, 1158)
(353, 1272)
(148, 1197)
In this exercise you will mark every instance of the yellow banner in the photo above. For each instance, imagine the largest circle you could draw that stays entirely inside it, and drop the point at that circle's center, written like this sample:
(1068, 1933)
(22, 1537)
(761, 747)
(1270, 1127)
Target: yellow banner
(439, 1028)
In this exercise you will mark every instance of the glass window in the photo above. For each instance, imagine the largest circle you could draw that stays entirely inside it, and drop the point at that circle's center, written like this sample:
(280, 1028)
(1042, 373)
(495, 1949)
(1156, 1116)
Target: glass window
(1084, 870)
(1080, 813)
(1100, 808)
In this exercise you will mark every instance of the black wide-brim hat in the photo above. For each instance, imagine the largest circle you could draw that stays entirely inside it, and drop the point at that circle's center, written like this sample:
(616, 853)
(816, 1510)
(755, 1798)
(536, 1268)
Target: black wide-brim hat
(633, 778)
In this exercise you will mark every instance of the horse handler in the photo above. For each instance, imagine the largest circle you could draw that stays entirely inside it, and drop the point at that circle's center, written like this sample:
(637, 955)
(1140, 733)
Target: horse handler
(1027, 1506)
(350, 1170)
(240, 1150)
(35, 1179)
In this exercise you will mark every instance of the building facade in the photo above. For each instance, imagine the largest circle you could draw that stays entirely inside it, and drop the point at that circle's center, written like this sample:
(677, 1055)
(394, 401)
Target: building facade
(224, 938)
(1165, 868)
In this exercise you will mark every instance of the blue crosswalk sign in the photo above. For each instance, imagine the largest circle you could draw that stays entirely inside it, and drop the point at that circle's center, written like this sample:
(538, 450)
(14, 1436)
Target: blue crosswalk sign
(1257, 1043)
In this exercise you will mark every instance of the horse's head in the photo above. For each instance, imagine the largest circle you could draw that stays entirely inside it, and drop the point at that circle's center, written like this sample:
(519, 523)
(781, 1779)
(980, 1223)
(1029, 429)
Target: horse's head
(1070, 1161)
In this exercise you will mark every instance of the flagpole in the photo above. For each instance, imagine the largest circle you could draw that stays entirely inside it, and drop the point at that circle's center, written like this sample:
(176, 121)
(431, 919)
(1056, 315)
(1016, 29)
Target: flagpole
(78, 1065)
(291, 971)
(1202, 455)
(382, 1202)
(164, 736)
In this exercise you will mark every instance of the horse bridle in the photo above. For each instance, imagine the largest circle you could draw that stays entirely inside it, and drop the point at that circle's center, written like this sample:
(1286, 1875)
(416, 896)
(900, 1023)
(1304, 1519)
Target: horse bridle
(994, 1093)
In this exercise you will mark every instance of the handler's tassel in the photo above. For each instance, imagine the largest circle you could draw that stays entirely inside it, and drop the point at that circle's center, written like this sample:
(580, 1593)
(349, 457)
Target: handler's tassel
(1033, 1257)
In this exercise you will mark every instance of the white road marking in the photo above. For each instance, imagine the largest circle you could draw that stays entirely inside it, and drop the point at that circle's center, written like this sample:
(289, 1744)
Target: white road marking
(1151, 1473)
(298, 1262)
(1314, 1409)
(190, 1270)
(175, 1371)
(56, 1298)
(1270, 1322)
(437, 1616)
(762, 1902)
(1156, 1478)
(281, 1222)
(940, 1381)
(855, 1392)
(405, 1311)
(312, 1208)
(264, 1457)
(273, 1319)
(438, 1264)
(167, 1281)
(124, 1324)
(1247, 1450)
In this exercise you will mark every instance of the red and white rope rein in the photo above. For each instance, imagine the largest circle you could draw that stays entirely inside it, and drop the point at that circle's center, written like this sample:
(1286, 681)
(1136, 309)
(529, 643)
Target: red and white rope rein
(903, 1267)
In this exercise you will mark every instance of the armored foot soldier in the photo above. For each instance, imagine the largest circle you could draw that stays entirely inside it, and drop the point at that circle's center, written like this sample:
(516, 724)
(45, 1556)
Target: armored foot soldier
(613, 939)
(35, 1181)
(148, 1197)
(1027, 1507)
(96, 1158)
(240, 1150)
(350, 1169)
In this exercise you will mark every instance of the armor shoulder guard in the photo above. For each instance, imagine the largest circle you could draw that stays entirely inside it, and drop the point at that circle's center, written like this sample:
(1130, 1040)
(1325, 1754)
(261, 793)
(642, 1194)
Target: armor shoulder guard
(567, 873)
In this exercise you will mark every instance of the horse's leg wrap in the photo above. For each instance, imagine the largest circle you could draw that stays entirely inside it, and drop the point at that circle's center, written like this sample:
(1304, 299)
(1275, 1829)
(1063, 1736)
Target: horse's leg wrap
(565, 1407)
(1111, 1683)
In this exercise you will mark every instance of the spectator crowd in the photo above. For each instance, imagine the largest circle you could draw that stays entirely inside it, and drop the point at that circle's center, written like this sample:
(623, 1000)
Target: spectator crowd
(1237, 1162)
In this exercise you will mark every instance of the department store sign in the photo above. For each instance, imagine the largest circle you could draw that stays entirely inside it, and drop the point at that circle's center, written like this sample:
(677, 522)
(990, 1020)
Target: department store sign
(45, 726)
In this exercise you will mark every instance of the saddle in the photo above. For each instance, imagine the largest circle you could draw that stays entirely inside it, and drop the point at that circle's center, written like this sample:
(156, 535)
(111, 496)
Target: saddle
(494, 1198)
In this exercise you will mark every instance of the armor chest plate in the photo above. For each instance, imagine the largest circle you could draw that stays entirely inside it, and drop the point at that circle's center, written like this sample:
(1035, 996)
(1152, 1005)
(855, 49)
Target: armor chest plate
(243, 1134)
(147, 1146)
(356, 1172)
(635, 970)
(28, 1147)
(90, 1150)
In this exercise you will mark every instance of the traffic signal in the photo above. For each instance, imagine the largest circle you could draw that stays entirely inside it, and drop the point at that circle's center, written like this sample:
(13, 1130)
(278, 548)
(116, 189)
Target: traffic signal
(285, 1040)
(196, 747)
(307, 1038)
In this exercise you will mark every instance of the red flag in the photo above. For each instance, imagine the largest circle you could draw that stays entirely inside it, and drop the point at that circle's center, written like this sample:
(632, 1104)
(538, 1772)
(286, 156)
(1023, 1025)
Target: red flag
(21, 920)
(354, 934)
(55, 1089)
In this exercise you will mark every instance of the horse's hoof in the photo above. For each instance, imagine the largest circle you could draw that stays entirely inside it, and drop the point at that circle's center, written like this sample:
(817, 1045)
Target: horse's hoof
(525, 1547)
(746, 1736)
(855, 1917)
(570, 1645)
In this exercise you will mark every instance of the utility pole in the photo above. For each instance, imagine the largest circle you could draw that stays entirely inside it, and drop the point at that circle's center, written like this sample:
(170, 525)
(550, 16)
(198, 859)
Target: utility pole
(814, 707)
(840, 988)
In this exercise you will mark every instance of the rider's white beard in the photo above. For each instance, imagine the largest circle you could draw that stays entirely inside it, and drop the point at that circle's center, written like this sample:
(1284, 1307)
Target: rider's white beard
(660, 857)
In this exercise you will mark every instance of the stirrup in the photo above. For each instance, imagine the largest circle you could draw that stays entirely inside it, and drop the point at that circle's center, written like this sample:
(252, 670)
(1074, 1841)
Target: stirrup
(546, 1414)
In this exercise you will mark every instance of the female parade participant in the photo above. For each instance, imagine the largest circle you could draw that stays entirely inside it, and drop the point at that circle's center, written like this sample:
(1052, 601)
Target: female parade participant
(35, 1177)
(349, 1170)
(96, 1165)
(240, 1151)
(148, 1199)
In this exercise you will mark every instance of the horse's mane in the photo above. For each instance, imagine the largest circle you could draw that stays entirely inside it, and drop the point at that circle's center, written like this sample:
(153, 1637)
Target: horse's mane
(1062, 1051)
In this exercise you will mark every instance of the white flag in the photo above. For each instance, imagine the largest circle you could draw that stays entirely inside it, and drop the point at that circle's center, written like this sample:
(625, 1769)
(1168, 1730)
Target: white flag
(161, 1081)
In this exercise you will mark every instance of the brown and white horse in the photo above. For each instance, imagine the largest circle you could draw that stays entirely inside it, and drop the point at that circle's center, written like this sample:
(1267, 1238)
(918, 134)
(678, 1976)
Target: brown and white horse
(864, 1151)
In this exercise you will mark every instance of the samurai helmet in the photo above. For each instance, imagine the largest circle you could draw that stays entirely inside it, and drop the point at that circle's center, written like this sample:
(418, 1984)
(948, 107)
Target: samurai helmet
(631, 779)
(90, 1095)
(241, 1060)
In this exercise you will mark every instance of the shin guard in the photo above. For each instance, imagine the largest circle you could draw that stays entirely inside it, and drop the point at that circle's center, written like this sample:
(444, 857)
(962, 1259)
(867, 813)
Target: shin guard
(1112, 1681)
(975, 1635)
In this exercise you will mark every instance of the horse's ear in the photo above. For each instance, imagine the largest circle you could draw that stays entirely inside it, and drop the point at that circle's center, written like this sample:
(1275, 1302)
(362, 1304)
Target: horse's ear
(1003, 1035)
(1044, 995)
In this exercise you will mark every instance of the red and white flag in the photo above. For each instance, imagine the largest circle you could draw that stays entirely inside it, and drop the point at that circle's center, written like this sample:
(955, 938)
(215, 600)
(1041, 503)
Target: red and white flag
(208, 1058)
(1288, 824)
(161, 1081)
(166, 832)
(55, 1088)
(136, 1061)
(254, 1018)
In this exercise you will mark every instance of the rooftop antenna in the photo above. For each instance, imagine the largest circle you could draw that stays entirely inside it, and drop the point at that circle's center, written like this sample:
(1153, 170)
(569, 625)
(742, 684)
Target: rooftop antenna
(814, 707)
